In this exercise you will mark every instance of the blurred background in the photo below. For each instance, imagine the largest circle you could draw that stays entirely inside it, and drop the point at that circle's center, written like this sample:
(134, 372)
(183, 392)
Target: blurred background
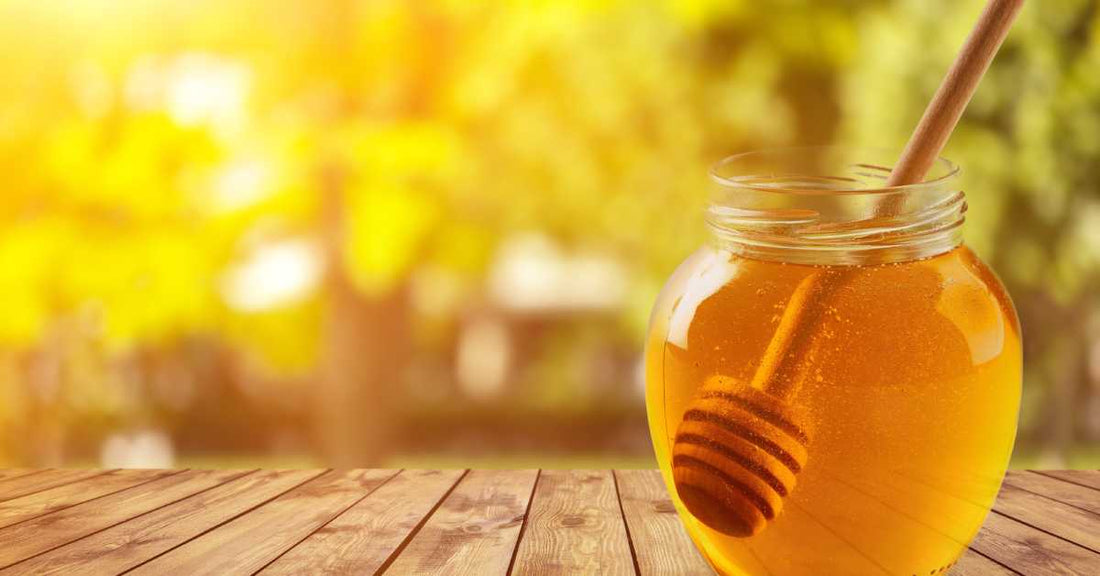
(428, 233)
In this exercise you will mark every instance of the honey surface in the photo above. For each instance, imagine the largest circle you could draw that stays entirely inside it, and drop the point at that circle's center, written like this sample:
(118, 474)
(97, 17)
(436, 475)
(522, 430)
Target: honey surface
(910, 390)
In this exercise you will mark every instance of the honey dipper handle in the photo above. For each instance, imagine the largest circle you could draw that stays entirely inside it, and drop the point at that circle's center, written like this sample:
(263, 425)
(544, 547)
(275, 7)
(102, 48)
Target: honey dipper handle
(946, 107)
(806, 306)
(790, 338)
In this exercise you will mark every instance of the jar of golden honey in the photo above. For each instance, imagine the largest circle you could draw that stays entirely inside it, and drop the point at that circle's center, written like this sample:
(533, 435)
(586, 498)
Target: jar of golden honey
(833, 381)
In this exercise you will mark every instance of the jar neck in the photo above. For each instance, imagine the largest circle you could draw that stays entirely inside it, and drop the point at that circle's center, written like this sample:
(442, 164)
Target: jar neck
(831, 211)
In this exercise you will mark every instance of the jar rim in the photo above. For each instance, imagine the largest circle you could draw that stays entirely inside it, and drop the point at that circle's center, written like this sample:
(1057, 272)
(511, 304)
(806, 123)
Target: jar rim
(831, 205)
(942, 173)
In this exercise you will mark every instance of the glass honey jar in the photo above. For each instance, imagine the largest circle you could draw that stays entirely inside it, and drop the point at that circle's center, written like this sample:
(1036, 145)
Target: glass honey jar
(833, 381)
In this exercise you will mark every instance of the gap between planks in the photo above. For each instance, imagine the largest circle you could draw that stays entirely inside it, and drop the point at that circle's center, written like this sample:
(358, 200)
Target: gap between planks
(1086, 478)
(390, 516)
(330, 520)
(396, 553)
(53, 500)
(1063, 510)
(9, 473)
(1079, 496)
(659, 541)
(575, 526)
(145, 532)
(1023, 535)
(1029, 550)
(248, 542)
(626, 525)
(523, 525)
(43, 534)
(21, 485)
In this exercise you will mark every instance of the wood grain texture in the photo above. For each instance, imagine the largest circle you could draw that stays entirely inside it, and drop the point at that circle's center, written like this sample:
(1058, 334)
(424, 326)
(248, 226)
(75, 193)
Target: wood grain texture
(1089, 478)
(431, 522)
(248, 543)
(1056, 489)
(575, 526)
(1032, 552)
(475, 530)
(660, 542)
(974, 564)
(365, 536)
(1069, 522)
(63, 526)
(46, 501)
(8, 473)
(23, 484)
(128, 544)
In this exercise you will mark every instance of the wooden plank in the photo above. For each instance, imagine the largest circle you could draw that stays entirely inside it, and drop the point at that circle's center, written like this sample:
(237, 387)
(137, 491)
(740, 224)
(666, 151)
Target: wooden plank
(1090, 478)
(1056, 489)
(661, 544)
(478, 525)
(1069, 522)
(44, 480)
(74, 523)
(575, 526)
(1032, 552)
(248, 543)
(44, 533)
(33, 505)
(128, 544)
(9, 473)
(363, 538)
(973, 564)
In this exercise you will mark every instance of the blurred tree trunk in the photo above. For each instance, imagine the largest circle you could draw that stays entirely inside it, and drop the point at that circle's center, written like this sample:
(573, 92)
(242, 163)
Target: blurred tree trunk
(1060, 410)
(365, 346)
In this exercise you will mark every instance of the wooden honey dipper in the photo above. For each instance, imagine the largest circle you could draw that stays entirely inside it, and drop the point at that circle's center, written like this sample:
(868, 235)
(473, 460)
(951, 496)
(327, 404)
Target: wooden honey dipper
(738, 449)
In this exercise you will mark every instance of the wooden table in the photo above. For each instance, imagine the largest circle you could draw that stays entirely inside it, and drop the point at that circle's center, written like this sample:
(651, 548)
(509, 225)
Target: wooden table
(479, 522)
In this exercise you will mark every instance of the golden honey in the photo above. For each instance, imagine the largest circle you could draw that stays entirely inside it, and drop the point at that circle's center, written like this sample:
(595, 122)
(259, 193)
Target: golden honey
(909, 389)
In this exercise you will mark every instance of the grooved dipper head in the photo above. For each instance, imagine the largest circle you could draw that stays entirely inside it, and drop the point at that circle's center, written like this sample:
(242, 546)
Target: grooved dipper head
(735, 456)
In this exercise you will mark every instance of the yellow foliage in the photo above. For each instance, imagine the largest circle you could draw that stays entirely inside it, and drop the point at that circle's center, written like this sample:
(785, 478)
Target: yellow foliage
(387, 227)
(448, 125)
(27, 253)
